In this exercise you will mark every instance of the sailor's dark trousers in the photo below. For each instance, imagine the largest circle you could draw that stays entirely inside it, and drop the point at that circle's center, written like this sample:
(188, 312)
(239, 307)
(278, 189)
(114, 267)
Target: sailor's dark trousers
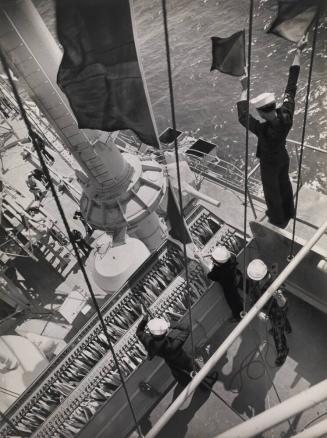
(277, 190)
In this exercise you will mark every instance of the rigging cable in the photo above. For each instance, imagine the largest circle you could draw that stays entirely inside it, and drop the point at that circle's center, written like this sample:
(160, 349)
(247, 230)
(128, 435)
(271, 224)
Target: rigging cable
(246, 164)
(67, 227)
(291, 254)
(173, 117)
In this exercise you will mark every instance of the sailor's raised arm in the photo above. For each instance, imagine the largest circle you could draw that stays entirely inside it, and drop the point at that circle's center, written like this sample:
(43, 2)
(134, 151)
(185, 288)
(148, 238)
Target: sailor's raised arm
(244, 83)
(204, 265)
(254, 124)
(290, 91)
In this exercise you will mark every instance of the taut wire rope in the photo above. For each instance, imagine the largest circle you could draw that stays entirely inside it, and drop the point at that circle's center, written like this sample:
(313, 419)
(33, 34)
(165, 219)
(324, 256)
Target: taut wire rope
(307, 98)
(246, 163)
(67, 227)
(173, 117)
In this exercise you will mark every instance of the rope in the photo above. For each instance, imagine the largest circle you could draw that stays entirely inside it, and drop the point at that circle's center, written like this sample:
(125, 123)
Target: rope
(172, 105)
(67, 227)
(247, 153)
(291, 254)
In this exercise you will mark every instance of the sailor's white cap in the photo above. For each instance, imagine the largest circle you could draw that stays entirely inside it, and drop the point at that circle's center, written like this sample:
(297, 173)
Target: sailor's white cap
(220, 254)
(257, 270)
(158, 326)
(264, 99)
(322, 265)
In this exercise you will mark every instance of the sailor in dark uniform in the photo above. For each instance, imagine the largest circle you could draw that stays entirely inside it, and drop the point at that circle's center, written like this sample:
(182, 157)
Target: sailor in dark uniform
(43, 149)
(272, 134)
(224, 270)
(166, 340)
(81, 242)
(275, 311)
(88, 228)
(168, 345)
(40, 176)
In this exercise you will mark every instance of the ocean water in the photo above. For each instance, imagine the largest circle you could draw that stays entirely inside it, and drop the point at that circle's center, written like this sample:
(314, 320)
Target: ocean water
(205, 102)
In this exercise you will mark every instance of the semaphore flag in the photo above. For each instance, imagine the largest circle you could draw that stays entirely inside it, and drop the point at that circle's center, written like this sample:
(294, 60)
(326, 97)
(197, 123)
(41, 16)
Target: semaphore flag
(99, 71)
(228, 54)
(294, 18)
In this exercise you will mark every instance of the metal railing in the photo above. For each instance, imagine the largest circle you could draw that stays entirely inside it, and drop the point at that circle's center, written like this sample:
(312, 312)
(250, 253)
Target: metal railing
(295, 144)
(225, 172)
(39, 122)
(281, 412)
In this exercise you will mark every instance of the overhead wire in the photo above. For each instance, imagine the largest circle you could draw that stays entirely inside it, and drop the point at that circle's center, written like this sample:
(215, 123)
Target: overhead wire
(246, 163)
(68, 230)
(173, 117)
(306, 107)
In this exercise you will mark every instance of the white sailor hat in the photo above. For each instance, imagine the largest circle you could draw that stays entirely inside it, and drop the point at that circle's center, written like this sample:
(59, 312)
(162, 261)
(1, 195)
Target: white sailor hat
(220, 254)
(263, 100)
(257, 270)
(158, 326)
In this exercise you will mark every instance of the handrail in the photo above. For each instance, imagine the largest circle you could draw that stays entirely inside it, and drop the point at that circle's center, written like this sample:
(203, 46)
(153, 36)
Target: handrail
(217, 165)
(196, 381)
(315, 431)
(308, 146)
(279, 413)
(252, 171)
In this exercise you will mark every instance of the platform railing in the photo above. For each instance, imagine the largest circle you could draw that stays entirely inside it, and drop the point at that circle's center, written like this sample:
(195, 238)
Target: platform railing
(229, 174)
(295, 144)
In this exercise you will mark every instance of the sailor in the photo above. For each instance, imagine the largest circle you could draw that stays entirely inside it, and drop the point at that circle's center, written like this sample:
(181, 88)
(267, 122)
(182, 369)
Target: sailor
(81, 242)
(42, 146)
(40, 176)
(88, 228)
(166, 340)
(258, 281)
(37, 227)
(224, 270)
(35, 187)
(272, 134)
(275, 311)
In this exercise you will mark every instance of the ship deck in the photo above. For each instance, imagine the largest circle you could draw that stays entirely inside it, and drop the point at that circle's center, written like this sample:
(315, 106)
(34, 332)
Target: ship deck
(248, 380)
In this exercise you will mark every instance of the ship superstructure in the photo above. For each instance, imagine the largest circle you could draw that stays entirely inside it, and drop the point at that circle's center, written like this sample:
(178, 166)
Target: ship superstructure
(122, 187)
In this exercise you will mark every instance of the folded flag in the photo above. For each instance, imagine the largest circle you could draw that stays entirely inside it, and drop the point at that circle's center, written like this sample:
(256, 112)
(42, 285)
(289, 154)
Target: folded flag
(228, 54)
(99, 71)
(178, 228)
(294, 18)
